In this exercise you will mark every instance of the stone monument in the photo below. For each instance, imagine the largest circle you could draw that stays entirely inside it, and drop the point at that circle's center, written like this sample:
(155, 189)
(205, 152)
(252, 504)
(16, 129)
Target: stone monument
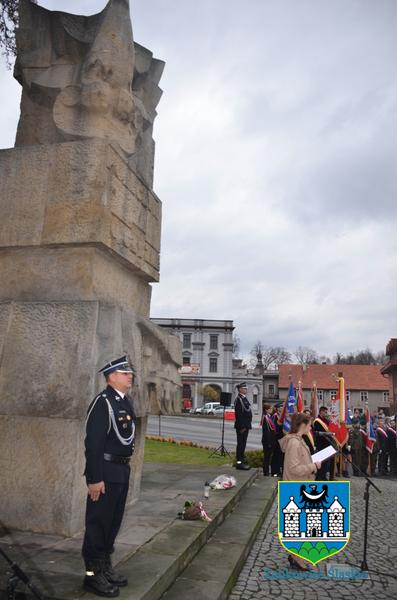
(79, 248)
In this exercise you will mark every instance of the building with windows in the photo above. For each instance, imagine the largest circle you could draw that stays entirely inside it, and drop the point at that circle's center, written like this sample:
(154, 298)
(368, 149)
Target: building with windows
(207, 351)
(363, 383)
(207, 359)
(390, 369)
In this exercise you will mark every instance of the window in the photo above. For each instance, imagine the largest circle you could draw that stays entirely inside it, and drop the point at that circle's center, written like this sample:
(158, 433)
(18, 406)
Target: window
(213, 342)
(186, 391)
(255, 399)
(213, 365)
(364, 396)
(271, 389)
(320, 395)
(187, 340)
(332, 394)
(186, 360)
(386, 397)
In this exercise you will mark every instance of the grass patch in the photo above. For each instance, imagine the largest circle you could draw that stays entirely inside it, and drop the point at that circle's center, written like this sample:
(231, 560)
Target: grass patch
(166, 452)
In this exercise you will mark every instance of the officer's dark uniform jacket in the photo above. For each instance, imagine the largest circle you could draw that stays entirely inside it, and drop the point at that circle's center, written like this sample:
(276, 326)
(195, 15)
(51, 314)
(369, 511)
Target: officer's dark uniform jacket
(101, 437)
(243, 413)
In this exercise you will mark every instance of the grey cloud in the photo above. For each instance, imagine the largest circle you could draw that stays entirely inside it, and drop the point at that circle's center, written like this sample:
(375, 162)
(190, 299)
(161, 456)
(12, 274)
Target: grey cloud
(275, 150)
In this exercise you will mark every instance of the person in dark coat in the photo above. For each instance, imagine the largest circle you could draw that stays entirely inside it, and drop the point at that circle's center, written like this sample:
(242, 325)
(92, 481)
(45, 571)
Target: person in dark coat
(109, 444)
(383, 445)
(309, 437)
(357, 445)
(268, 437)
(320, 426)
(278, 456)
(391, 432)
(242, 424)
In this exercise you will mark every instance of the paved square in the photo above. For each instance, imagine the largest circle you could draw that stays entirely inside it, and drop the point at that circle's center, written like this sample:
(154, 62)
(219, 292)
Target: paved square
(267, 554)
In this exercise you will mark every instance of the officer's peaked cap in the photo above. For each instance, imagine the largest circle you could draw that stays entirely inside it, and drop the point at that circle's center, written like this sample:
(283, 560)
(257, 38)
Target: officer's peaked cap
(241, 385)
(119, 364)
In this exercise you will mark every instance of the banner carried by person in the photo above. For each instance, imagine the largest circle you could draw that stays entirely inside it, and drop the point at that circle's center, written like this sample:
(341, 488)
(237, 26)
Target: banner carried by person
(339, 413)
(370, 437)
(299, 399)
(289, 408)
(314, 401)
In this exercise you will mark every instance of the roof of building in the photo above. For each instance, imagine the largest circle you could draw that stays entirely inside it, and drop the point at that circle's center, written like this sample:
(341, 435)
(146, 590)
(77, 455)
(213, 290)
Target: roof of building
(357, 377)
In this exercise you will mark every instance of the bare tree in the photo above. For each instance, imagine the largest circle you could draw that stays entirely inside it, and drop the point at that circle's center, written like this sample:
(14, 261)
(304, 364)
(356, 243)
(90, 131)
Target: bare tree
(271, 355)
(8, 25)
(306, 356)
(236, 346)
(361, 357)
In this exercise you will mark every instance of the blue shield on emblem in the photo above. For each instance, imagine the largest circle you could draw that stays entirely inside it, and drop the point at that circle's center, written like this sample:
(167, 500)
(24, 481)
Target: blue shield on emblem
(314, 518)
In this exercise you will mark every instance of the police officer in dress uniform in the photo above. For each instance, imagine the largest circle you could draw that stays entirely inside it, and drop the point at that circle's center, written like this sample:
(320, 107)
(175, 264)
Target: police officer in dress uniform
(242, 424)
(109, 445)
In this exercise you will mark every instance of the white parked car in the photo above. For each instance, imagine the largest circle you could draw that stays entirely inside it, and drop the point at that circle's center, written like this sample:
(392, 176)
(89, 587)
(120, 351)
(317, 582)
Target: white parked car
(208, 408)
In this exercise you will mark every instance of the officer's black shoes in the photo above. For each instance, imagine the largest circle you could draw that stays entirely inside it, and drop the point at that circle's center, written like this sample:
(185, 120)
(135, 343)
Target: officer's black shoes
(112, 576)
(99, 585)
(242, 466)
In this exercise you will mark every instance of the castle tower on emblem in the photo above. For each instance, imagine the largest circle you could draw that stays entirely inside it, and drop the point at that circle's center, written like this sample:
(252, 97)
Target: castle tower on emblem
(314, 522)
(291, 519)
(319, 522)
(335, 519)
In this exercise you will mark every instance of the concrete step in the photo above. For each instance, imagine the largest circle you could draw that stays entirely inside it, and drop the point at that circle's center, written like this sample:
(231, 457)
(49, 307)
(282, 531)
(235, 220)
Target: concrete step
(156, 565)
(154, 546)
(214, 570)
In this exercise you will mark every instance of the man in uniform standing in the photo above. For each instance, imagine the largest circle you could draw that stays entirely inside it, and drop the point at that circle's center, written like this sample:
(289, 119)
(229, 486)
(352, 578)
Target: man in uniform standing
(109, 445)
(242, 424)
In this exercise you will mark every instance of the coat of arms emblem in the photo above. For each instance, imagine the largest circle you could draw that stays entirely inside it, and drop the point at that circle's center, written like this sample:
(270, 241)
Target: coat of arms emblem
(314, 518)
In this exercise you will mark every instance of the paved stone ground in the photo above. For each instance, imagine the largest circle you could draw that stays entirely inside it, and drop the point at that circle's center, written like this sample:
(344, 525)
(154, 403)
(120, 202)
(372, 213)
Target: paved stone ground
(267, 553)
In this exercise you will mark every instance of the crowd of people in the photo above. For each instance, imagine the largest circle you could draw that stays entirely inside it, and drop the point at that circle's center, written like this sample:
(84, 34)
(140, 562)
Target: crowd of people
(376, 458)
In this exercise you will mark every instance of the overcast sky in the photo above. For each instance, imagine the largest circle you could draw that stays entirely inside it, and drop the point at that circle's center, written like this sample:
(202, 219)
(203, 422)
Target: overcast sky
(276, 165)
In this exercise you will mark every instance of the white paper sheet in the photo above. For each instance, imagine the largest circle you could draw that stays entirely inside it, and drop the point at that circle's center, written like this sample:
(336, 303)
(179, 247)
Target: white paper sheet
(323, 454)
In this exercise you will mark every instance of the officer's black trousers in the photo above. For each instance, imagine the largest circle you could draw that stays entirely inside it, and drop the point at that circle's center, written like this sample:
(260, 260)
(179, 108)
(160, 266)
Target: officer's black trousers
(241, 444)
(102, 521)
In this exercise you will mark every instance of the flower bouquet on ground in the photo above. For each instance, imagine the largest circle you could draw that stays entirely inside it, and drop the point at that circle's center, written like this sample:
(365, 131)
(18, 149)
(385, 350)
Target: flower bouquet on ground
(194, 511)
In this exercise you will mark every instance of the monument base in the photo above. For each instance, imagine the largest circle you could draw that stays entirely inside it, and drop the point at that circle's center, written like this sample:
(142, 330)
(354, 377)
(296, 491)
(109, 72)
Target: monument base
(51, 354)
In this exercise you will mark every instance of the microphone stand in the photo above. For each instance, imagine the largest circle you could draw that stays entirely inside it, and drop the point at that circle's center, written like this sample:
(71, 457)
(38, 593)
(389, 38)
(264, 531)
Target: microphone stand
(221, 450)
(369, 483)
(16, 576)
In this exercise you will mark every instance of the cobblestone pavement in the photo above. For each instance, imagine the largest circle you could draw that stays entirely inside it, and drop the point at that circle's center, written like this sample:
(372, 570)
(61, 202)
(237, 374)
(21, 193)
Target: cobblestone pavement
(267, 554)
